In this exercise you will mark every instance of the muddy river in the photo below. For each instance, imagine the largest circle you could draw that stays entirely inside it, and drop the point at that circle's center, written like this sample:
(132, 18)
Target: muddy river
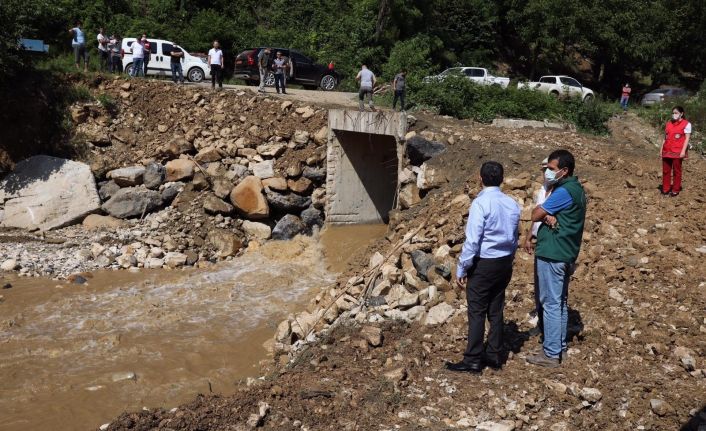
(74, 356)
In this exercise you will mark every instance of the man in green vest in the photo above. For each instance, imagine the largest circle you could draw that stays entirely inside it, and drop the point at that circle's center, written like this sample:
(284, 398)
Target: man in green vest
(558, 244)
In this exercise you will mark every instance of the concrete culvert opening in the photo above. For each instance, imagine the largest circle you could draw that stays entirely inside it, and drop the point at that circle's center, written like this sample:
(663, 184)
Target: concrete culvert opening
(365, 152)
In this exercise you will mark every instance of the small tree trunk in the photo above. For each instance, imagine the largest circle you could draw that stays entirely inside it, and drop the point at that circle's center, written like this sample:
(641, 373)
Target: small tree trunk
(383, 15)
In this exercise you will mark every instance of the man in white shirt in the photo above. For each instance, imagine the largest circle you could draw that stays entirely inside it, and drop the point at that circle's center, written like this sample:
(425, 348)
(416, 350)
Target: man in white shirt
(78, 44)
(539, 197)
(138, 59)
(215, 61)
(103, 49)
(367, 81)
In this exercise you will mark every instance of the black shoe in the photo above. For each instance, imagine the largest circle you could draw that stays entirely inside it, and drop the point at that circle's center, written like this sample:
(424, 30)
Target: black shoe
(674, 194)
(494, 364)
(284, 92)
(475, 367)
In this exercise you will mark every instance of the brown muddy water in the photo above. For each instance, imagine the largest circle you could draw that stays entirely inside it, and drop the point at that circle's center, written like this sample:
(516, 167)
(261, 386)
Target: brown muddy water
(74, 356)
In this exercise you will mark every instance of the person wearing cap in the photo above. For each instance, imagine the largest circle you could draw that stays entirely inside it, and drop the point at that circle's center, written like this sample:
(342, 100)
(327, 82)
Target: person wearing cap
(528, 245)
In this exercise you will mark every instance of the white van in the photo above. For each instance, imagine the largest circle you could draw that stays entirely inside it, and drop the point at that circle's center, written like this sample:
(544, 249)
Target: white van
(195, 68)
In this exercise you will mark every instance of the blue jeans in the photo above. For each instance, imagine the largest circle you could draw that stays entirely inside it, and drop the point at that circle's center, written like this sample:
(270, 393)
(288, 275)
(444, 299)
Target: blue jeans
(624, 101)
(176, 70)
(138, 67)
(553, 280)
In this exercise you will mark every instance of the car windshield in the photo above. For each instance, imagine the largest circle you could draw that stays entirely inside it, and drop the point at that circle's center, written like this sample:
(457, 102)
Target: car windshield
(451, 72)
(662, 91)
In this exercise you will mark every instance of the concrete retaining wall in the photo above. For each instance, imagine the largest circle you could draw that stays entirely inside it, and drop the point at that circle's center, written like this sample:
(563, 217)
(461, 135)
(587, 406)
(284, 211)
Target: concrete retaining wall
(364, 158)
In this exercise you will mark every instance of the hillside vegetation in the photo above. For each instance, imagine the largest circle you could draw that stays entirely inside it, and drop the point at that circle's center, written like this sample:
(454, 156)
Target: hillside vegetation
(603, 41)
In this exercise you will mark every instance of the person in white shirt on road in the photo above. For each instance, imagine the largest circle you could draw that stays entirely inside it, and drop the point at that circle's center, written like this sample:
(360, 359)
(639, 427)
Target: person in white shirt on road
(367, 81)
(215, 61)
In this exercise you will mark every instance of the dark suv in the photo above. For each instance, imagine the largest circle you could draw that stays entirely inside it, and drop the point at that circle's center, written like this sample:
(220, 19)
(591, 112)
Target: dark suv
(304, 71)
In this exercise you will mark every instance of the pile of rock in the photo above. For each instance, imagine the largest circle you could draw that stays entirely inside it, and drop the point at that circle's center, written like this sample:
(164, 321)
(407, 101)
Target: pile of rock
(215, 172)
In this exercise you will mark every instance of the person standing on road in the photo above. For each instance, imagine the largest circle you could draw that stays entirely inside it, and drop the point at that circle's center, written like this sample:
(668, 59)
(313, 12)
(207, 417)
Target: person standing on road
(176, 55)
(281, 65)
(138, 58)
(148, 52)
(675, 147)
(215, 61)
(263, 65)
(115, 61)
(558, 245)
(625, 97)
(485, 268)
(367, 81)
(103, 52)
(539, 197)
(399, 85)
(78, 44)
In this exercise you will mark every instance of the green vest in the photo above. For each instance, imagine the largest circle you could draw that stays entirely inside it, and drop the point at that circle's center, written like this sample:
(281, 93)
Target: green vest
(564, 242)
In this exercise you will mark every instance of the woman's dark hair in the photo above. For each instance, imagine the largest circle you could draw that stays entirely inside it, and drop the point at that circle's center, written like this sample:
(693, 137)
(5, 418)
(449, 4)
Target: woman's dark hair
(491, 173)
(680, 109)
(564, 160)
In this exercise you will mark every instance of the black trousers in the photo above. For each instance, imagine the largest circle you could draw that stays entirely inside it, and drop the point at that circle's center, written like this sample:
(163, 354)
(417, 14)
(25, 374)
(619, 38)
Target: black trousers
(279, 82)
(399, 94)
(216, 75)
(485, 295)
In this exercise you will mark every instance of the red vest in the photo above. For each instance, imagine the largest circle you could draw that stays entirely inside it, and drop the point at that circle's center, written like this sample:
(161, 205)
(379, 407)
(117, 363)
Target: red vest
(674, 138)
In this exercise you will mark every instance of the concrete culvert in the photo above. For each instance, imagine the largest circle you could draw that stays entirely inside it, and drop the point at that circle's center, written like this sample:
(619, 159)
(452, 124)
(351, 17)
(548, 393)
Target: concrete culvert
(365, 152)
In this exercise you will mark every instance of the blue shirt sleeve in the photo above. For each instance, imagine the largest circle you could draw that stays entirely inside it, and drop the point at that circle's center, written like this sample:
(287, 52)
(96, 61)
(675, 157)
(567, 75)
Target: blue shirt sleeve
(474, 235)
(560, 199)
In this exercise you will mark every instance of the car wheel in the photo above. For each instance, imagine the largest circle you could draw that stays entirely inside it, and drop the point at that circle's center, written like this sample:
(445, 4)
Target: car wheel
(195, 74)
(328, 82)
(270, 79)
(588, 98)
(555, 94)
(128, 69)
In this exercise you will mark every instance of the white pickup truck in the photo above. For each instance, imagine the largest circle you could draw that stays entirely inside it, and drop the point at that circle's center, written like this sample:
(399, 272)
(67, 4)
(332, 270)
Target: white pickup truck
(478, 75)
(559, 85)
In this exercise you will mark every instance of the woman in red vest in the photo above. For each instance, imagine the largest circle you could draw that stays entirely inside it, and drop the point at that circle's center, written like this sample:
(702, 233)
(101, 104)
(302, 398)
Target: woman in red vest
(674, 150)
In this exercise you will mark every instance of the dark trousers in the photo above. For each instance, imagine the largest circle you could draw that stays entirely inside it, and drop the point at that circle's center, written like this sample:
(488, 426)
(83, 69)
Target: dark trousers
(399, 94)
(485, 295)
(116, 64)
(279, 82)
(104, 57)
(216, 75)
(177, 73)
(145, 63)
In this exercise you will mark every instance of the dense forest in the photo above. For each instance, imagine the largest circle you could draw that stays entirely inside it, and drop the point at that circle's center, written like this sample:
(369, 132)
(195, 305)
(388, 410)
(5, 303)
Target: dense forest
(603, 42)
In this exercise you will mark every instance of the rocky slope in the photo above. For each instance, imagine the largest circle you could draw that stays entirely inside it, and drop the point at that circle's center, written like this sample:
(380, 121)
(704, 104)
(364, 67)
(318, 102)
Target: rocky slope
(369, 351)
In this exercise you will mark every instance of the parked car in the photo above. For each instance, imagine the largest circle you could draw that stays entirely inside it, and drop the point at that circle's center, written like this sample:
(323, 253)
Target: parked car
(478, 75)
(559, 85)
(195, 68)
(304, 70)
(662, 94)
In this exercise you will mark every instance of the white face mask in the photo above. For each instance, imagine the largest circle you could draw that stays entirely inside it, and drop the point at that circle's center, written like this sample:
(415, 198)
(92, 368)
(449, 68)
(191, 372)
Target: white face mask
(550, 177)
(676, 117)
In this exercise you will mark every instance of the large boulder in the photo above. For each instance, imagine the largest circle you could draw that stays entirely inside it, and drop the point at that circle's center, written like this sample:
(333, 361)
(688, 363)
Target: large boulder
(179, 169)
(178, 147)
(133, 202)
(317, 175)
(248, 198)
(288, 227)
(289, 203)
(155, 175)
(46, 192)
(127, 177)
(97, 221)
(409, 196)
(420, 150)
(430, 177)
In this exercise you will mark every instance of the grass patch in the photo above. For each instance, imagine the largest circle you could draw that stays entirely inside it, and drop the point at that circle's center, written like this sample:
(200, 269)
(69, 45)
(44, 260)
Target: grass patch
(461, 98)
